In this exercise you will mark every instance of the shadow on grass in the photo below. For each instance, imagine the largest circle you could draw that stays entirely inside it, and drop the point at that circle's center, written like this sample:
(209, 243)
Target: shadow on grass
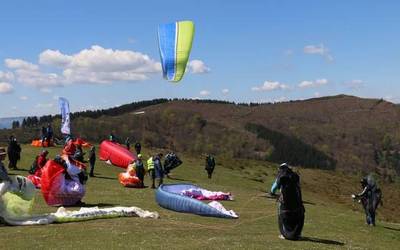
(323, 241)
(103, 177)
(178, 179)
(101, 204)
(391, 228)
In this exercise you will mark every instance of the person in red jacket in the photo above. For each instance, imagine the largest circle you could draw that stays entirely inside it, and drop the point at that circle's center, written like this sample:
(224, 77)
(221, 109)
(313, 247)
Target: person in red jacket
(42, 159)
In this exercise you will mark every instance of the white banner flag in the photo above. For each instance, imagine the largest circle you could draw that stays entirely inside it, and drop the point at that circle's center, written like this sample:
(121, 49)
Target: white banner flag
(64, 106)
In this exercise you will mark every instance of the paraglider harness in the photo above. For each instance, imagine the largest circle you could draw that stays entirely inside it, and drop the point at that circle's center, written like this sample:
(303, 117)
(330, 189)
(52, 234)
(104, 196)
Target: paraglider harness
(171, 161)
(83, 176)
(290, 204)
(290, 197)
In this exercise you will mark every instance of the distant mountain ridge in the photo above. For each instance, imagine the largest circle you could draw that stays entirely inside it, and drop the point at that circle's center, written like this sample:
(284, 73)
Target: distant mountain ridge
(336, 132)
(6, 122)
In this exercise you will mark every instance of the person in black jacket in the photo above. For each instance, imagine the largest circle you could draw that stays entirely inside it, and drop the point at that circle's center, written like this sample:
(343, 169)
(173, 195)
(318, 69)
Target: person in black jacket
(14, 152)
(210, 165)
(92, 160)
(138, 147)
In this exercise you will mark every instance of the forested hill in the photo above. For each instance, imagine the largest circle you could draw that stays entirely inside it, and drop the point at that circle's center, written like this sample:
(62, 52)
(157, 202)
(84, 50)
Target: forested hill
(338, 132)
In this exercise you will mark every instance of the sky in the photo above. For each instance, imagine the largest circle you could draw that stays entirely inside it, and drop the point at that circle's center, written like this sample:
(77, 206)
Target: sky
(101, 54)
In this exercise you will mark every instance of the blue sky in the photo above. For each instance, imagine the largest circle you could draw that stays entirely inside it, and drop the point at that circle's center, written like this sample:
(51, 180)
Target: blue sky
(101, 54)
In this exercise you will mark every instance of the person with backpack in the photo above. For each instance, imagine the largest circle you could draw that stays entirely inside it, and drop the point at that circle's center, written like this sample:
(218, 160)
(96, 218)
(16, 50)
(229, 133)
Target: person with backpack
(171, 161)
(210, 165)
(290, 203)
(36, 168)
(370, 198)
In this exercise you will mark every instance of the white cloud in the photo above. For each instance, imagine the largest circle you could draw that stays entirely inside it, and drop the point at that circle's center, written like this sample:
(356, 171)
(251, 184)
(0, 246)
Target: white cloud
(225, 91)
(205, 93)
(270, 86)
(198, 67)
(94, 65)
(44, 105)
(319, 50)
(355, 84)
(281, 99)
(19, 64)
(6, 76)
(54, 58)
(313, 84)
(46, 90)
(23, 98)
(317, 94)
(6, 88)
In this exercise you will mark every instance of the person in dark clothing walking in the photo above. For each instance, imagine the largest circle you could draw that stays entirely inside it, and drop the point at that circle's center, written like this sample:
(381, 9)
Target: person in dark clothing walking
(370, 198)
(14, 152)
(92, 160)
(128, 143)
(210, 165)
(138, 147)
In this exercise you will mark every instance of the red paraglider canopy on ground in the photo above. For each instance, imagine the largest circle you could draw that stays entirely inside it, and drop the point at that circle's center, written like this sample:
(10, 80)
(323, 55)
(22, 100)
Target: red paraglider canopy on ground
(117, 154)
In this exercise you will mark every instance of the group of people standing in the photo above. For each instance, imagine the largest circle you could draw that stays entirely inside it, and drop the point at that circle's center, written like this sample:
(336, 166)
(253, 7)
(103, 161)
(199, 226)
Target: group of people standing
(47, 134)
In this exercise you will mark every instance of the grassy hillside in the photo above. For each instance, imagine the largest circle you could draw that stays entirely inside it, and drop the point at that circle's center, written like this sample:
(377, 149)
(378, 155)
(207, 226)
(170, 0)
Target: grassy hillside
(341, 132)
(332, 220)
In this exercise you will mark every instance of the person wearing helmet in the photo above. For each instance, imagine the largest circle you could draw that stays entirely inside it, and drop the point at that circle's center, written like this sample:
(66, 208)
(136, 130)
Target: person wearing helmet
(290, 203)
(370, 198)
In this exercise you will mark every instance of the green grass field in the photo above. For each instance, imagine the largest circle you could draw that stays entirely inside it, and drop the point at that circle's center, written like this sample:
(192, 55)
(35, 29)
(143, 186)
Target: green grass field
(329, 223)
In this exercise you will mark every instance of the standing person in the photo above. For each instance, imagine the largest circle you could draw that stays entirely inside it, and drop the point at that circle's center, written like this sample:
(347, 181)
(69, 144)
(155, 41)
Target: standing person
(128, 143)
(210, 165)
(92, 160)
(14, 152)
(158, 168)
(290, 204)
(138, 147)
(370, 198)
(3, 171)
(150, 169)
(112, 138)
(49, 132)
(140, 171)
(44, 135)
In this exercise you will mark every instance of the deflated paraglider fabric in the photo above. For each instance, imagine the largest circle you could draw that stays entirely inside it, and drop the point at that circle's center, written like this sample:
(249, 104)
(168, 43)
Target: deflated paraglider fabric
(170, 196)
(129, 178)
(204, 194)
(83, 143)
(175, 43)
(59, 190)
(38, 143)
(16, 197)
(117, 154)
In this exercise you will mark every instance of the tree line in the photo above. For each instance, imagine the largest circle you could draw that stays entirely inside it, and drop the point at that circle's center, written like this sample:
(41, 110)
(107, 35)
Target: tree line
(291, 149)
